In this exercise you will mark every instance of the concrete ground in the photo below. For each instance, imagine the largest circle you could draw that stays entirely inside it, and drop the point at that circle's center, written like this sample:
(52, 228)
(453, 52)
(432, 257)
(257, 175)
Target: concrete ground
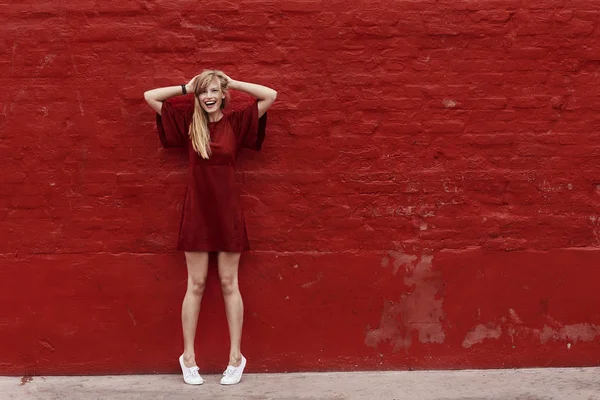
(533, 384)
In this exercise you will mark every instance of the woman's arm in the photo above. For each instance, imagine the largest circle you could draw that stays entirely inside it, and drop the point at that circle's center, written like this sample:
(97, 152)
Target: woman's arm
(155, 97)
(265, 95)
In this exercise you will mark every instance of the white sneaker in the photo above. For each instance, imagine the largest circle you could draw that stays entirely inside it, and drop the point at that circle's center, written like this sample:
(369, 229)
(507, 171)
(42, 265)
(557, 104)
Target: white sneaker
(190, 375)
(232, 375)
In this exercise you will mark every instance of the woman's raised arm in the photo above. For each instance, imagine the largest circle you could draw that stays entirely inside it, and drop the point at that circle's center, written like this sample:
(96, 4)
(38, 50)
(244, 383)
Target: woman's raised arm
(265, 95)
(155, 97)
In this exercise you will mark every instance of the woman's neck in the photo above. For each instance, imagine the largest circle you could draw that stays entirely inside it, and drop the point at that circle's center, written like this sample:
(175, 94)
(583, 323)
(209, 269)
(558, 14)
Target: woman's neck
(215, 117)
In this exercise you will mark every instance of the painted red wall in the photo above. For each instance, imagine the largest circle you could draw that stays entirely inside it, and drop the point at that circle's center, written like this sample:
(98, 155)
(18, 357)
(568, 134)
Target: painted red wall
(428, 195)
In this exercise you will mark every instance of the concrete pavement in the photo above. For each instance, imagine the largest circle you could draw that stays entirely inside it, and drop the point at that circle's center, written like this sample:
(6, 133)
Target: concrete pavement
(530, 384)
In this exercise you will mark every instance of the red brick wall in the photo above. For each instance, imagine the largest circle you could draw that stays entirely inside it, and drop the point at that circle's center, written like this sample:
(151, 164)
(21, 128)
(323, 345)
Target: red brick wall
(428, 195)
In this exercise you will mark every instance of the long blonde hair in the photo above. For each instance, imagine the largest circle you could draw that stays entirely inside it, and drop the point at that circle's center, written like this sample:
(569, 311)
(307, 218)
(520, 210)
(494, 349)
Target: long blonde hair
(198, 132)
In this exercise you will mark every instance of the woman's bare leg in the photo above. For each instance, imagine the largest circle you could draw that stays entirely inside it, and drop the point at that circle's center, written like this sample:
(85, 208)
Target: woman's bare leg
(234, 307)
(197, 267)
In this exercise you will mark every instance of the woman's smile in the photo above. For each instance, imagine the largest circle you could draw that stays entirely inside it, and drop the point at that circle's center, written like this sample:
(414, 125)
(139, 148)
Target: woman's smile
(212, 98)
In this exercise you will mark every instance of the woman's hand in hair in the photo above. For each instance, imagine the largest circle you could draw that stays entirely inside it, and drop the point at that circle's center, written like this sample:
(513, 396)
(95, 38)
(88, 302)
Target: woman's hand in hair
(189, 87)
(230, 81)
(265, 95)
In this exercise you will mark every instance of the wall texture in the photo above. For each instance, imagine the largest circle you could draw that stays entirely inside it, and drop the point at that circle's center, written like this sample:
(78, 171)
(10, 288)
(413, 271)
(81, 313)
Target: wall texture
(428, 195)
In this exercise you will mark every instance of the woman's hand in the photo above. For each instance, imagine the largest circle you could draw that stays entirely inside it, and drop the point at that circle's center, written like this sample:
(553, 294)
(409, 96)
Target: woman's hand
(189, 87)
(230, 82)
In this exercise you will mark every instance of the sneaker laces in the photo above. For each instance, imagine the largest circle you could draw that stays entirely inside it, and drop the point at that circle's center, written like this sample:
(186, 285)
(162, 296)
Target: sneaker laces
(193, 372)
(229, 371)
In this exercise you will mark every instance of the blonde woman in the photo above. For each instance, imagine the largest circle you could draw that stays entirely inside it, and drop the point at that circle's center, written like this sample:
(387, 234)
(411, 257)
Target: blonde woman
(212, 219)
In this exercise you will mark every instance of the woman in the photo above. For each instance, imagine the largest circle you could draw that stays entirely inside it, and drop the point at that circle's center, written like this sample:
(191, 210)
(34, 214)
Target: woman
(212, 215)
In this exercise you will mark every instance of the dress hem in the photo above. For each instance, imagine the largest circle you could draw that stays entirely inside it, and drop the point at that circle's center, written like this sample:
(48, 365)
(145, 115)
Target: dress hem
(213, 249)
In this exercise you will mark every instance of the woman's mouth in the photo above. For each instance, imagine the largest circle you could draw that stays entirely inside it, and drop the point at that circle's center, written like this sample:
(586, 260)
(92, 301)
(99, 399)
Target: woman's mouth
(210, 104)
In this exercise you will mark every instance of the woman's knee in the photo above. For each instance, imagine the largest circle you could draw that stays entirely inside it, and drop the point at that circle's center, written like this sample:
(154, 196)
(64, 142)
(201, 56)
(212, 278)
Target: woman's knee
(196, 285)
(197, 264)
(228, 270)
(229, 284)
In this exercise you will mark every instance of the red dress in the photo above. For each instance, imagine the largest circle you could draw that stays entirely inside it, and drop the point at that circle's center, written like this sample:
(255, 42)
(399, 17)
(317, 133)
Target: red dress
(212, 217)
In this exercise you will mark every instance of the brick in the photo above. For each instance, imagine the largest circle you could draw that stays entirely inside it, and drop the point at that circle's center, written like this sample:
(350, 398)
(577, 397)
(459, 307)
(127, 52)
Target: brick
(300, 6)
(444, 127)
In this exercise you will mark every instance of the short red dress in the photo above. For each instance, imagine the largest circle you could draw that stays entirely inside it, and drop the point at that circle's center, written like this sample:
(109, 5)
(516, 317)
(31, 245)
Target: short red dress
(212, 217)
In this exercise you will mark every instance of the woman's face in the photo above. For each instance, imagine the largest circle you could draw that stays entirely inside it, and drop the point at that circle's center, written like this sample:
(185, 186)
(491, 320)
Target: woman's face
(212, 98)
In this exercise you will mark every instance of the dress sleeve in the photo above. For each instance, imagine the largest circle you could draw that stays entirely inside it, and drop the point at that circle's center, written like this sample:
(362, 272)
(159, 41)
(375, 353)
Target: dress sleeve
(173, 123)
(248, 128)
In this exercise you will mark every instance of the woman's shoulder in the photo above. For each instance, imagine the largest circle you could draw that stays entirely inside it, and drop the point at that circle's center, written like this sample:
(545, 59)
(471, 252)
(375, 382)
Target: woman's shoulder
(238, 110)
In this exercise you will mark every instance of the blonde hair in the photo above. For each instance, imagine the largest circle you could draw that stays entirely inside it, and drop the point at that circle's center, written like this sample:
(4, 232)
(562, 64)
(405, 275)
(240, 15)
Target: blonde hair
(198, 132)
